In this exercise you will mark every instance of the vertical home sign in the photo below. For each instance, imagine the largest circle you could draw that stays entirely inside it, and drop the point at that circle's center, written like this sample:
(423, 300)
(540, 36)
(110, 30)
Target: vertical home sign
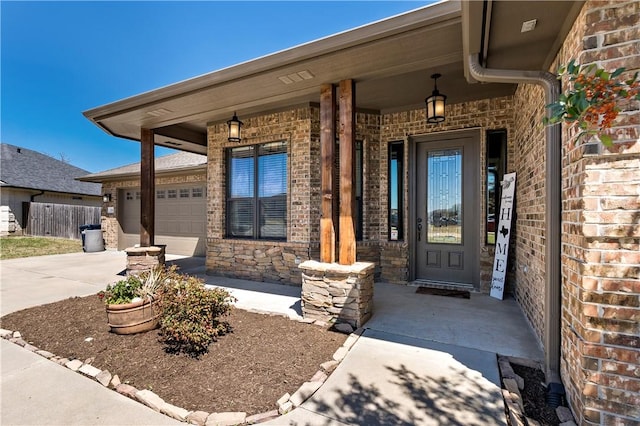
(503, 232)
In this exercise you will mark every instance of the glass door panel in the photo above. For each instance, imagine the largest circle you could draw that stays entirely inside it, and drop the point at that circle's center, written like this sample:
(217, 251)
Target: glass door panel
(444, 196)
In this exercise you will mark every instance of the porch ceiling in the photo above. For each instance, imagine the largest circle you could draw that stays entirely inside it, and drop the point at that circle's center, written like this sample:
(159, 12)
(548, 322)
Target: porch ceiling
(390, 60)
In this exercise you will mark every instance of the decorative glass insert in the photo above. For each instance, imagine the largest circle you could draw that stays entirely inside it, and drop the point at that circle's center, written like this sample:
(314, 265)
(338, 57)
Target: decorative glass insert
(161, 193)
(172, 193)
(444, 196)
(184, 192)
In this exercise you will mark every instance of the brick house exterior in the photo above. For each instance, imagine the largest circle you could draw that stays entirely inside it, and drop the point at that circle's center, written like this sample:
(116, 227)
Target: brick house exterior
(600, 237)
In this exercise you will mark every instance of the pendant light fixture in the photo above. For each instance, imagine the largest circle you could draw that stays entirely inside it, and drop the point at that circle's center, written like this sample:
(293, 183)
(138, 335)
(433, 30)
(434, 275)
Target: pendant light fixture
(435, 103)
(235, 127)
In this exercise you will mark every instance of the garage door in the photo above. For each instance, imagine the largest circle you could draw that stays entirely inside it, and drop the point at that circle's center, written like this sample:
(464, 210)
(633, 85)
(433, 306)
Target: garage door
(180, 218)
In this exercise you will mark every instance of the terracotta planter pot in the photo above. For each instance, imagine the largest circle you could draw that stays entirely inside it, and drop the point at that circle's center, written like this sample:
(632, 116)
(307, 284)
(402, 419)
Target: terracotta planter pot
(131, 318)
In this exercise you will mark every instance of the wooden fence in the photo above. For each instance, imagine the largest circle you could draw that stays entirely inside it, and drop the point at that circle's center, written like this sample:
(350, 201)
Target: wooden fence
(58, 220)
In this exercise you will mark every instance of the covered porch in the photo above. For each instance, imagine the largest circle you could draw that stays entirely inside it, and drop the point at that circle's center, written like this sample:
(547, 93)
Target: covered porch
(357, 99)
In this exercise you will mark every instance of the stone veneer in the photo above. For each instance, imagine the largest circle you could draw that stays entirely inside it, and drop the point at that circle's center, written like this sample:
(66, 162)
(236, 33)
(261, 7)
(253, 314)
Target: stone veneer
(337, 293)
(142, 259)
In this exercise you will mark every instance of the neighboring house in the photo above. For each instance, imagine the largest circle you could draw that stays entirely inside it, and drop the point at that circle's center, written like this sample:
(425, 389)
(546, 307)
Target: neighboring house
(573, 264)
(28, 176)
(180, 204)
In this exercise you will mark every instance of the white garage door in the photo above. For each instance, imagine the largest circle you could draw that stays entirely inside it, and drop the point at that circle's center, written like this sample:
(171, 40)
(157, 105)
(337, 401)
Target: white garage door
(180, 218)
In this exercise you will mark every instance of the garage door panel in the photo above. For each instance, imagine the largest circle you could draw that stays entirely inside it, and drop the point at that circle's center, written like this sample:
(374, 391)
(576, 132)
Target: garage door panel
(180, 223)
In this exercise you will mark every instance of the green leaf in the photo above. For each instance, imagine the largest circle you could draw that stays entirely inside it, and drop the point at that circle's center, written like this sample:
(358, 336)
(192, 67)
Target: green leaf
(606, 140)
(617, 72)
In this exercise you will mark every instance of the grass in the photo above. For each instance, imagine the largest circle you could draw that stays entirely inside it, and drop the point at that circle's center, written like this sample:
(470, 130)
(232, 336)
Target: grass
(14, 247)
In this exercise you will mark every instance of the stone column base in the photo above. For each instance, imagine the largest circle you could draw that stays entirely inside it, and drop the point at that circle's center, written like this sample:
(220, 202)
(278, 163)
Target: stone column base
(337, 293)
(141, 259)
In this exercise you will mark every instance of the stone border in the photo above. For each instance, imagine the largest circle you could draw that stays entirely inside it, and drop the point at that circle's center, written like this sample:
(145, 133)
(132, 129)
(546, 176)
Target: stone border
(513, 384)
(285, 404)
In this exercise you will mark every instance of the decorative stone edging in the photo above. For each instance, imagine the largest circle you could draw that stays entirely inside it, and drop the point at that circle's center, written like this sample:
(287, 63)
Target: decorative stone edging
(285, 404)
(514, 405)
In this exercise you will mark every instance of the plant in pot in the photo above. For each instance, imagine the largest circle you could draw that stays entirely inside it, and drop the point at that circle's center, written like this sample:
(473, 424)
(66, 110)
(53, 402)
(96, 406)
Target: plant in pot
(132, 303)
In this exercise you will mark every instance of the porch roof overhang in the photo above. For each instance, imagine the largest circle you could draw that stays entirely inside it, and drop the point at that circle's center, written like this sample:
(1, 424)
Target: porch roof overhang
(390, 60)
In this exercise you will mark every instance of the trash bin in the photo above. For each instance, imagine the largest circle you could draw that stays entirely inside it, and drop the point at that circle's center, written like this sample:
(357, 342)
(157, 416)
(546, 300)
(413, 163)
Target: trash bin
(92, 240)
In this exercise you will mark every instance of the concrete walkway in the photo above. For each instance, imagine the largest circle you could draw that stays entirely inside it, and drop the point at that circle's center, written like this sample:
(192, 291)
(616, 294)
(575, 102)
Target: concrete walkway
(422, 360)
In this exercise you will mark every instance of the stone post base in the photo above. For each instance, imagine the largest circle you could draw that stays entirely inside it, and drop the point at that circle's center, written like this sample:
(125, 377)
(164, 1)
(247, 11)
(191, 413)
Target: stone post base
(141, 259)
(340, 293)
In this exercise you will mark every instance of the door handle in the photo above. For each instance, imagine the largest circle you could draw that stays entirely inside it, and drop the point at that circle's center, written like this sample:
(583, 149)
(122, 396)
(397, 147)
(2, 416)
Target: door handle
(419, 228)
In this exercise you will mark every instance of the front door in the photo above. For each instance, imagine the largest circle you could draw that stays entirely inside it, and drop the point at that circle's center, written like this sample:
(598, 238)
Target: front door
(447, 210)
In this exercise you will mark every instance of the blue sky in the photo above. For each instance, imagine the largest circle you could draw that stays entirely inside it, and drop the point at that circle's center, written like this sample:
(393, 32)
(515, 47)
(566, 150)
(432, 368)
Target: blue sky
(59, 59)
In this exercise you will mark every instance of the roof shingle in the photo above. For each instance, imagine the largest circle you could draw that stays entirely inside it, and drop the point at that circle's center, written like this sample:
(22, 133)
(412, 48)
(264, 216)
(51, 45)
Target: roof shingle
(25, 168)
(180, 160)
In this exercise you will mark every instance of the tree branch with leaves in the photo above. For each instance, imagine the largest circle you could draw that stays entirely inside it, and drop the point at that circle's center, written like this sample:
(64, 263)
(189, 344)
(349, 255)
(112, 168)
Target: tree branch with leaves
(592, 99)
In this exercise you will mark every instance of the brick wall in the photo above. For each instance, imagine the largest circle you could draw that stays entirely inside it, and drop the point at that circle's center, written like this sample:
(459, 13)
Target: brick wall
(529, 164)
(601, 235)
(277, 261)
(267, 260)
(485, 114)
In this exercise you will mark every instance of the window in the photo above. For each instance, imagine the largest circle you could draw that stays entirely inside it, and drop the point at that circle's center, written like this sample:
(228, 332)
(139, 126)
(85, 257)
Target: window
(257, 191)
(396, 191)
(138, 194)
(172, 193)
(358, 207)
(358, 184)
(129, 196)
(197, 193)
(160, 194)
(184, 192)
(496, 166)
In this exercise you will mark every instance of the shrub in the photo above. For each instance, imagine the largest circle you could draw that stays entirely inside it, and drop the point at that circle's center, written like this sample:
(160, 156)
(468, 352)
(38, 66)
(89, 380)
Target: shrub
(147, 285)
(121, 292)
(190, 318)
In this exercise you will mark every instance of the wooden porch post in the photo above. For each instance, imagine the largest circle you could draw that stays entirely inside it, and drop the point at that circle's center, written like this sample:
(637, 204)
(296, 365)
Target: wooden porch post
(327, 154)
(347, 191)
(147, 188)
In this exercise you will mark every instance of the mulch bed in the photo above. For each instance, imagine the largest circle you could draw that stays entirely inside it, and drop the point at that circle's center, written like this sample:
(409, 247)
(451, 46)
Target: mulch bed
(264, 357)
(534, 396)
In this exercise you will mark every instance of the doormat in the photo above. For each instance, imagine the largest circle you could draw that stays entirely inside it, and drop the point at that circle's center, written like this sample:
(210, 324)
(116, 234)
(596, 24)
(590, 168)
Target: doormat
(462, 294)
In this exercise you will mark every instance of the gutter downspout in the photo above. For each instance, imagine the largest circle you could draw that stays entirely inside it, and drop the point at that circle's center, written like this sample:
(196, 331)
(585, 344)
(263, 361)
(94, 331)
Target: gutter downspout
(553, 211)
(36, 195)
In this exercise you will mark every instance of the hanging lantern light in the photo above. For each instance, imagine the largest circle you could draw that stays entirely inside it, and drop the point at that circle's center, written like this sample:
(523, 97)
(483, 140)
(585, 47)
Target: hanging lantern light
(435, 103)
(235, 126)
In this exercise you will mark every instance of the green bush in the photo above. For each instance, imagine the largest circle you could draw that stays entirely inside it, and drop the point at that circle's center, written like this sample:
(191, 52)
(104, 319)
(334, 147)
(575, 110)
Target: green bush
(122, 291)
(190, 318)
(146, 286)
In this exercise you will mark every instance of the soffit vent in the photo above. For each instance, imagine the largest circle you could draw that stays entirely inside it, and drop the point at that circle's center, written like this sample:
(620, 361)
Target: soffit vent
(296, 77)
(158, 112)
